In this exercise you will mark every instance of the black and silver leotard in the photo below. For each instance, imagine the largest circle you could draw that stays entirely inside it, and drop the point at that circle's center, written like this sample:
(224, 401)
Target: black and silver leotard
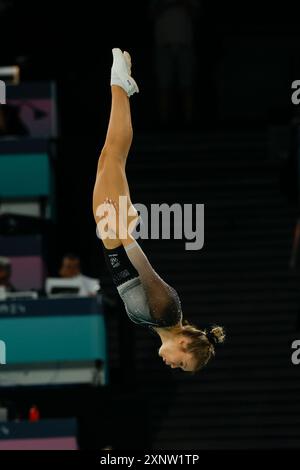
(148, 300)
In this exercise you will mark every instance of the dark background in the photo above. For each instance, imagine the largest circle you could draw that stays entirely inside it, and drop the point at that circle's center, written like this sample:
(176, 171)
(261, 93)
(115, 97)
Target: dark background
(71, 44)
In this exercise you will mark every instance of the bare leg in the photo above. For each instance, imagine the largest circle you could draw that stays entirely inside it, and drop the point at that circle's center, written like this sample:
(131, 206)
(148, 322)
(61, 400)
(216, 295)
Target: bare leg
(119, 133)
(111, 178)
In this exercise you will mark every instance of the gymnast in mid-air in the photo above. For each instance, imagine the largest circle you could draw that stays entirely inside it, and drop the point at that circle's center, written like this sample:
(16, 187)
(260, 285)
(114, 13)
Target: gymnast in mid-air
(149, 301)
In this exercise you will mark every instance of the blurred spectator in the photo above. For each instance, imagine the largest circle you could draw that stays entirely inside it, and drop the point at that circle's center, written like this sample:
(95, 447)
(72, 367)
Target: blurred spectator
(175, 55)
(71, 268)
(5, 275)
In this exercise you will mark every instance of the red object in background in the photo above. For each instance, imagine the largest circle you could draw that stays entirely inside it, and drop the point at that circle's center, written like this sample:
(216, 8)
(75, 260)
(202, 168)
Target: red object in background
(34, 414)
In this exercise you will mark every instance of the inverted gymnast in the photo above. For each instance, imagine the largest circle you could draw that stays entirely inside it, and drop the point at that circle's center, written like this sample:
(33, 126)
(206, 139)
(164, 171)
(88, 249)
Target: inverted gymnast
(149, 301)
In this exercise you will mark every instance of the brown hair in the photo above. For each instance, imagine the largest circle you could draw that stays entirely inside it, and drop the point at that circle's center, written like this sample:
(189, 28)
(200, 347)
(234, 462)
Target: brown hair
(200, 346)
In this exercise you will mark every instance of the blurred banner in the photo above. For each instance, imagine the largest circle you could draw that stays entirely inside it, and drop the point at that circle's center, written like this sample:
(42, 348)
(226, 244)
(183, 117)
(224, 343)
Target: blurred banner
(31, 109)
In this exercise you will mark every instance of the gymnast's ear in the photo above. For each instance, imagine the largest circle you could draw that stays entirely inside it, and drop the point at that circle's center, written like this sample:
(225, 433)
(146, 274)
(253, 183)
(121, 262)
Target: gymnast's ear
(183, 340)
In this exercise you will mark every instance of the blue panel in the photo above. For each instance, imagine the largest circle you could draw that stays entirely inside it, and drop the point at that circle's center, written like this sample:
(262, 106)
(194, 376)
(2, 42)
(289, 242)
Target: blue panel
(30, 90)
(24, 145)
(41, 429)
(58, 338)
(50, 307)
(17, 245)
(24, 175)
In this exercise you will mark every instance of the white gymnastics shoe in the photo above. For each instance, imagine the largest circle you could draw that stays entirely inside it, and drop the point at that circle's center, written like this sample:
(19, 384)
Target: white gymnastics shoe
(121, 72)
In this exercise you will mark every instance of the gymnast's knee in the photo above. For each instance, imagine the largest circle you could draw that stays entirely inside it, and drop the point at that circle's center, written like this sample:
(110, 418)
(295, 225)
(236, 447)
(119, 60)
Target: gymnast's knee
(115, 150)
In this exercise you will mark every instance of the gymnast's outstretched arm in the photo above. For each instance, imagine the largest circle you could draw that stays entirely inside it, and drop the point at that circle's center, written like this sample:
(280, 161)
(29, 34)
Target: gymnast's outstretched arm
(160, 295)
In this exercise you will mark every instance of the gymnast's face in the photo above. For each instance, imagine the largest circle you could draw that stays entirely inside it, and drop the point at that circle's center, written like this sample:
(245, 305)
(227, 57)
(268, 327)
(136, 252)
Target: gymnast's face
(174, 354)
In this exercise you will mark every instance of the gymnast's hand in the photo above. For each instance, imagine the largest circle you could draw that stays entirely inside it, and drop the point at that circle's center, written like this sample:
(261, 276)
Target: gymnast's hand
(118, 224)
(115, 223)
(107, 224)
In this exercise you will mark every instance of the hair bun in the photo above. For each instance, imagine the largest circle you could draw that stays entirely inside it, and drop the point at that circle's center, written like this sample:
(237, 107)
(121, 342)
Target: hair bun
(216, 335)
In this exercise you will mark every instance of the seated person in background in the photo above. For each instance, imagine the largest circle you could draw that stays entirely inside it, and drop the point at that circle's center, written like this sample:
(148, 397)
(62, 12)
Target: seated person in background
(5, 274)
(71, 269)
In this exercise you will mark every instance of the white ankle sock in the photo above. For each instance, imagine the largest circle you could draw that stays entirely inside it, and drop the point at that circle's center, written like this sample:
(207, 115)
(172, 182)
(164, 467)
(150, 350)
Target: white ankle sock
(120, 73)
